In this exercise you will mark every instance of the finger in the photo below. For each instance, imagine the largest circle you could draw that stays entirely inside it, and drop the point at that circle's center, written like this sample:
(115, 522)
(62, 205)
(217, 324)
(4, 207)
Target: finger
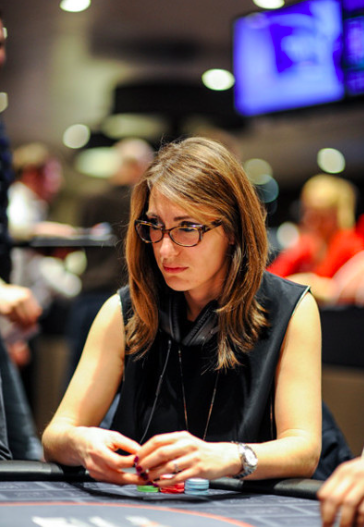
(181, 468)
(101, 471)
(331, 496)
(161, 456)
(329, 485)
(335, 503)
(350, 507)
(104, 473)
(163, 448)
(124, 443)
(21, 316)
(114, 460)
(359, 520)
(329, 509)
(345, 491)
(190, 472)
(28, 314)
(106, 463)
(172, 468)
(162, 440)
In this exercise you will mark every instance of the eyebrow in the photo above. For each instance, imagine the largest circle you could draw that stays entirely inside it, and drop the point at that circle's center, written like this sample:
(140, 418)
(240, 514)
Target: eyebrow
(176, 218)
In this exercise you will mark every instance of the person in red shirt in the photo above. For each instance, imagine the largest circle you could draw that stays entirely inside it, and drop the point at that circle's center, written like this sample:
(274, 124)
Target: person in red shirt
(328, 238)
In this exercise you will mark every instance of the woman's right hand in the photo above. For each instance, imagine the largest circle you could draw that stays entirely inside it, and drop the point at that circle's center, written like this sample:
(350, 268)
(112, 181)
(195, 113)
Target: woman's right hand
(97, 450)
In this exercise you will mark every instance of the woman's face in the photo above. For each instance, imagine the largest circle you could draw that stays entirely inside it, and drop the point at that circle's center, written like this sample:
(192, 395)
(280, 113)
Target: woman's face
(198, 271)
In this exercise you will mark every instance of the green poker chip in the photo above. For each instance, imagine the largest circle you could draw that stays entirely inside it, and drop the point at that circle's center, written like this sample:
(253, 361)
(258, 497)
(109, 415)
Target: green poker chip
(147, 488)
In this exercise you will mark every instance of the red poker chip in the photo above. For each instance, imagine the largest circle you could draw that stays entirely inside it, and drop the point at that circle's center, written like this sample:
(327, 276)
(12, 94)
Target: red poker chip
(178, 488)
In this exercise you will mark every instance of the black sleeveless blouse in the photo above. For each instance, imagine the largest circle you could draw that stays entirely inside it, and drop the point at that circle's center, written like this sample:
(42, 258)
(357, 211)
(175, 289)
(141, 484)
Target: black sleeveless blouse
(243, 407)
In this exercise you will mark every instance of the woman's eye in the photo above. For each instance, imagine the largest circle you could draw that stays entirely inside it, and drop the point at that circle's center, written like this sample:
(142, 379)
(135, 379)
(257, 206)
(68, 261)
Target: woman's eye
(187, 228)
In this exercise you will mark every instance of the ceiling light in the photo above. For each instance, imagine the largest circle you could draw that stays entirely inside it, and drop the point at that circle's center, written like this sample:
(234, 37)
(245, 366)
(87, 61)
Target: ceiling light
(331, 160)
(287, 234)
(122, 125)
(74, 6)
(258, 170)
(268, 189)
(3, 101)
(100, 162)
(269, 4)
(218, 79)
(76, 136)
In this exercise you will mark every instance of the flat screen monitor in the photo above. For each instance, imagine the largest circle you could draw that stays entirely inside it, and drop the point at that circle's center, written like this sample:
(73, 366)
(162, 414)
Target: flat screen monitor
(288, 58)
(353, 59)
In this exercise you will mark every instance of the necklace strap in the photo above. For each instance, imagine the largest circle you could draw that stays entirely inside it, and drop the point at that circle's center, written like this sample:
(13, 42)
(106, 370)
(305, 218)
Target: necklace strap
(184, 396)
(173, 309)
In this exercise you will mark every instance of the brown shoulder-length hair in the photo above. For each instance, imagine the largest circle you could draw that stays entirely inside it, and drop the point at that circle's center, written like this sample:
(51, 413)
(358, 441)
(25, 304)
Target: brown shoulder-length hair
(205, 179)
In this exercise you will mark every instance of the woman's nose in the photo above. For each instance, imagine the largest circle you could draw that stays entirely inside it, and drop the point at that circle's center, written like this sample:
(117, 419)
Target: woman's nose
(167, 246)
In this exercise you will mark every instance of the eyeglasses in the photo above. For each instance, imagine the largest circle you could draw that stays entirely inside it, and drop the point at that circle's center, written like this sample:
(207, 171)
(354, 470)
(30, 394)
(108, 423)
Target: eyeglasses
(185, 235)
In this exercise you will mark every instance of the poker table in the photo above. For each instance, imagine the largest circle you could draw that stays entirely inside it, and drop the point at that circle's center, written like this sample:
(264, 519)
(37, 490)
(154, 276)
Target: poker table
(81, 240)
(49, 495)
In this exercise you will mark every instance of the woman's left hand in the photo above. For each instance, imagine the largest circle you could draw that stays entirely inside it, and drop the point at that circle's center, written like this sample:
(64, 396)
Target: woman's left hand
(185, 456)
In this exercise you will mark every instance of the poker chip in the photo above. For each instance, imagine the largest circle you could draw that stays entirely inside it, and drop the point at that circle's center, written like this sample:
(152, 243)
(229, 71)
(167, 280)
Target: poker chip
(197, 486)
(178, 488)
(147, 488)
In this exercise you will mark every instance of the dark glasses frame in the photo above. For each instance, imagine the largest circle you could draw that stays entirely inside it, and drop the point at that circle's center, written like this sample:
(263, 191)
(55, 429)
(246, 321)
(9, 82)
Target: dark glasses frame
(201, 229)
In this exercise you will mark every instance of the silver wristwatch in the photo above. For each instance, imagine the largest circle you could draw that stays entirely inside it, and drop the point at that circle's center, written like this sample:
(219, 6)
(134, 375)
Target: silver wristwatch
(249, 460)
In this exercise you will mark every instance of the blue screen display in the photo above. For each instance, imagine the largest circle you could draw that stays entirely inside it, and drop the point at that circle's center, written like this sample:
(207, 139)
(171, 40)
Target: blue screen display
(353, 15)
(288, 58)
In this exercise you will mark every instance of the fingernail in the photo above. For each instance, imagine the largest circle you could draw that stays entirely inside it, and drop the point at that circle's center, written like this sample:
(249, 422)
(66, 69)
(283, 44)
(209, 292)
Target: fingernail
(136, 459)
(144, 476)
(139, 469)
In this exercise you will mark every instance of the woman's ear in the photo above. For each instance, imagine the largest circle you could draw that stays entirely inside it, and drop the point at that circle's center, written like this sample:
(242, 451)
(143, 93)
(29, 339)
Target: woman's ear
(230, 236)
(231, 239)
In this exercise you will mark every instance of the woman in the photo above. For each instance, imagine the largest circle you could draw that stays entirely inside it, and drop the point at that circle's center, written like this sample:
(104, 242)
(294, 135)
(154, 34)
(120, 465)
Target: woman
(210, 351)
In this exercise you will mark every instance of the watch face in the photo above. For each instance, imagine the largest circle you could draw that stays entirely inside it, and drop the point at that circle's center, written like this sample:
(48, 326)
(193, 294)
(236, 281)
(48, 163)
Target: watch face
(250, 457)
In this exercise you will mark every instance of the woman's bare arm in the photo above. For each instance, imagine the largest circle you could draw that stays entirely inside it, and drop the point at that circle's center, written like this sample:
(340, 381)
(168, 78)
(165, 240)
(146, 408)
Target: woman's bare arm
(72, 437)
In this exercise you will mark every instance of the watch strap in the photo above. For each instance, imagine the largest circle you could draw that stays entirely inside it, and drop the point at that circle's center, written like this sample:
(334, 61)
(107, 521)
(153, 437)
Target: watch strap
(248, 465)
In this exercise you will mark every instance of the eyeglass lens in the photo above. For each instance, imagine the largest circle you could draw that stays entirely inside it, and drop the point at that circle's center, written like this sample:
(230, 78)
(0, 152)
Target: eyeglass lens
(187, 236)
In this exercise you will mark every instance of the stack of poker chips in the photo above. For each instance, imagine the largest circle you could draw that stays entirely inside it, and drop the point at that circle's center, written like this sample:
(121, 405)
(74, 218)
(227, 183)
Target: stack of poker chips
(178, 488)
(147, 488)
(196, 486)
(193, 486)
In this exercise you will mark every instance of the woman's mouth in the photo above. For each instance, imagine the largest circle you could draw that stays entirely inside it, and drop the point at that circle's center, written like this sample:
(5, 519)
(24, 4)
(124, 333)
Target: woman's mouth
(173, 269)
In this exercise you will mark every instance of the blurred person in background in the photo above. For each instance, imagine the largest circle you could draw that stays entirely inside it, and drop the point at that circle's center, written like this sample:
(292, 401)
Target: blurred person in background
(39, 179)
(17, 304)
(6, 175)
(105, 270)
(328, 239)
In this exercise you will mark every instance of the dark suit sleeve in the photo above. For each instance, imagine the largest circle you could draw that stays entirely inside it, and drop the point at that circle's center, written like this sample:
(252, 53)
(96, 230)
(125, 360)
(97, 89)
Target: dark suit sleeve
(4, 449)
(21, 434)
